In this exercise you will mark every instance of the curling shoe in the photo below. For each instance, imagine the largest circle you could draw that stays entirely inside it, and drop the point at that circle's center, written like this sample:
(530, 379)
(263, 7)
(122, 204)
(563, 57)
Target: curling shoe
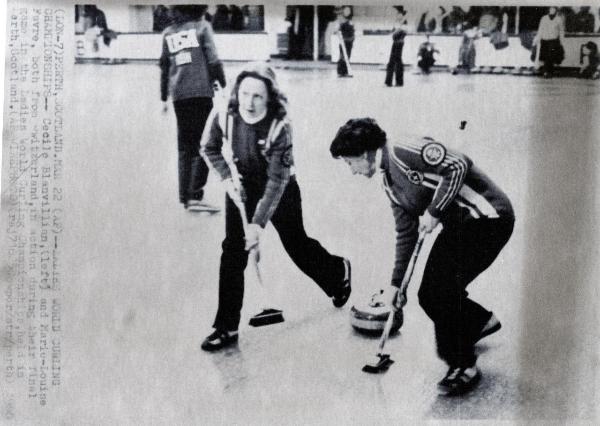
(219, 339)
(459, 380)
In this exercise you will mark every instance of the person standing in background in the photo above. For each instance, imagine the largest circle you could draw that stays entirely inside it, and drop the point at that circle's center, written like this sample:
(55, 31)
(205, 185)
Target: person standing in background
(96, 27)
(549, 40)
(161, 18)
(345, 32)
(466, 52)
(395, 64)
(189, 66)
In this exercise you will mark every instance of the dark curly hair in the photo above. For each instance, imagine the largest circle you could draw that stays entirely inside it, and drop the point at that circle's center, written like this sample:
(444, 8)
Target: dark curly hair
(357, 136)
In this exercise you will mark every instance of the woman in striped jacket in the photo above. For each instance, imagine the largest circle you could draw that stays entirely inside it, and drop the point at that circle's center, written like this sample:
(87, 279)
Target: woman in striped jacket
(428, 184)
(260, 179)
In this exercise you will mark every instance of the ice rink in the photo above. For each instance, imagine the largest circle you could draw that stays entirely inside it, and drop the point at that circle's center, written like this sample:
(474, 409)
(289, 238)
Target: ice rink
(141, 290)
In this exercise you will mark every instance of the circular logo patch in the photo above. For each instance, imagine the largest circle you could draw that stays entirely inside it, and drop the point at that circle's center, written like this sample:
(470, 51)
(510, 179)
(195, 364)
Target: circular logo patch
(433, 153)
(414, 177)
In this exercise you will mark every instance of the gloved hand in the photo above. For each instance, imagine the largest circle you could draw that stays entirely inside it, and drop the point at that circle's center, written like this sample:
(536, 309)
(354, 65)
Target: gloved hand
(235, 192)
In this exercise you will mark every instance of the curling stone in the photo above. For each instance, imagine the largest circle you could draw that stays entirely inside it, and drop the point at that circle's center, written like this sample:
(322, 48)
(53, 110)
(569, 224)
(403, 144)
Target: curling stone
(370, 318)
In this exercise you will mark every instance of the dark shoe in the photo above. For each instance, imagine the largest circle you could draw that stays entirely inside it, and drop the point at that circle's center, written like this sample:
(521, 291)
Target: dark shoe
(219, 339)
(490, 327)
(459, 380)
(343, 293)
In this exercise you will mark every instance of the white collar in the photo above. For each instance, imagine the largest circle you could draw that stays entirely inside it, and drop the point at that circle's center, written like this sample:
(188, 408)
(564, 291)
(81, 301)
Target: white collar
(252, 120)
(379, 157)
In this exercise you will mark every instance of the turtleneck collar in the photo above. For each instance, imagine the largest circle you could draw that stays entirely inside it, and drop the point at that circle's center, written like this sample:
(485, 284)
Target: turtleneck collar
(252, 120)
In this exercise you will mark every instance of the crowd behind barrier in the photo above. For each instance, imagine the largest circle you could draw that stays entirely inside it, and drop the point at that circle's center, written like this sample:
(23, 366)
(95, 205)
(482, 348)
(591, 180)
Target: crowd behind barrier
(251, 29)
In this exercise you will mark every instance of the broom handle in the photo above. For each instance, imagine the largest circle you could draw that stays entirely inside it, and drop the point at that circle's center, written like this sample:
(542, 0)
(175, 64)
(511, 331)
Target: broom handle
(345, 54)
(222, 99)
(403, 287)
(253, 259)
(536, 63)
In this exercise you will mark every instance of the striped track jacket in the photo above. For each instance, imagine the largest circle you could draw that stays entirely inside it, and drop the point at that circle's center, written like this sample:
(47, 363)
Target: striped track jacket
(261, 154)
(422, 174)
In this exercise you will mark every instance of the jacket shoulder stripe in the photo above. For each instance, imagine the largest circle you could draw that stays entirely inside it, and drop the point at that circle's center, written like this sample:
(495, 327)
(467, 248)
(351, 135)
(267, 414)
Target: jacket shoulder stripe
(277, 129)
(456, 179)
(483, 204)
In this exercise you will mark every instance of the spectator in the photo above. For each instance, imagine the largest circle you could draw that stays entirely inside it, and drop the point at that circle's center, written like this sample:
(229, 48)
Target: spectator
(466, 53)
(95, 23)
(426, 56)
(254, 17)
(220, 20)
(568, 15)
(473, 15)
(161, 18)
(508, 19)
(395, 64)
(345, 32)
(583, 21)
(456, 20)
(590, 61)
(237, 18)
(432, 20)
(489, 19)
(549, 41)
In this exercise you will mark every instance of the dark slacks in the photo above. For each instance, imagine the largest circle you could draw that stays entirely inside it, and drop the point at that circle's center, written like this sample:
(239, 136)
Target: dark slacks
(460, 253)
(425, 64)
(551, 54)
(191, 116)
(342, 67)
(395, 65)
(325, 269)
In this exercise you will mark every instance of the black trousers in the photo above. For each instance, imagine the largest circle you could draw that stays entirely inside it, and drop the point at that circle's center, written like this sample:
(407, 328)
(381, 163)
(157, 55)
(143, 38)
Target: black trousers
(395, 65)
(551, 54)
(460, 253)
(342, 68)
(325, 269)
(425, 64)
(191, 116)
